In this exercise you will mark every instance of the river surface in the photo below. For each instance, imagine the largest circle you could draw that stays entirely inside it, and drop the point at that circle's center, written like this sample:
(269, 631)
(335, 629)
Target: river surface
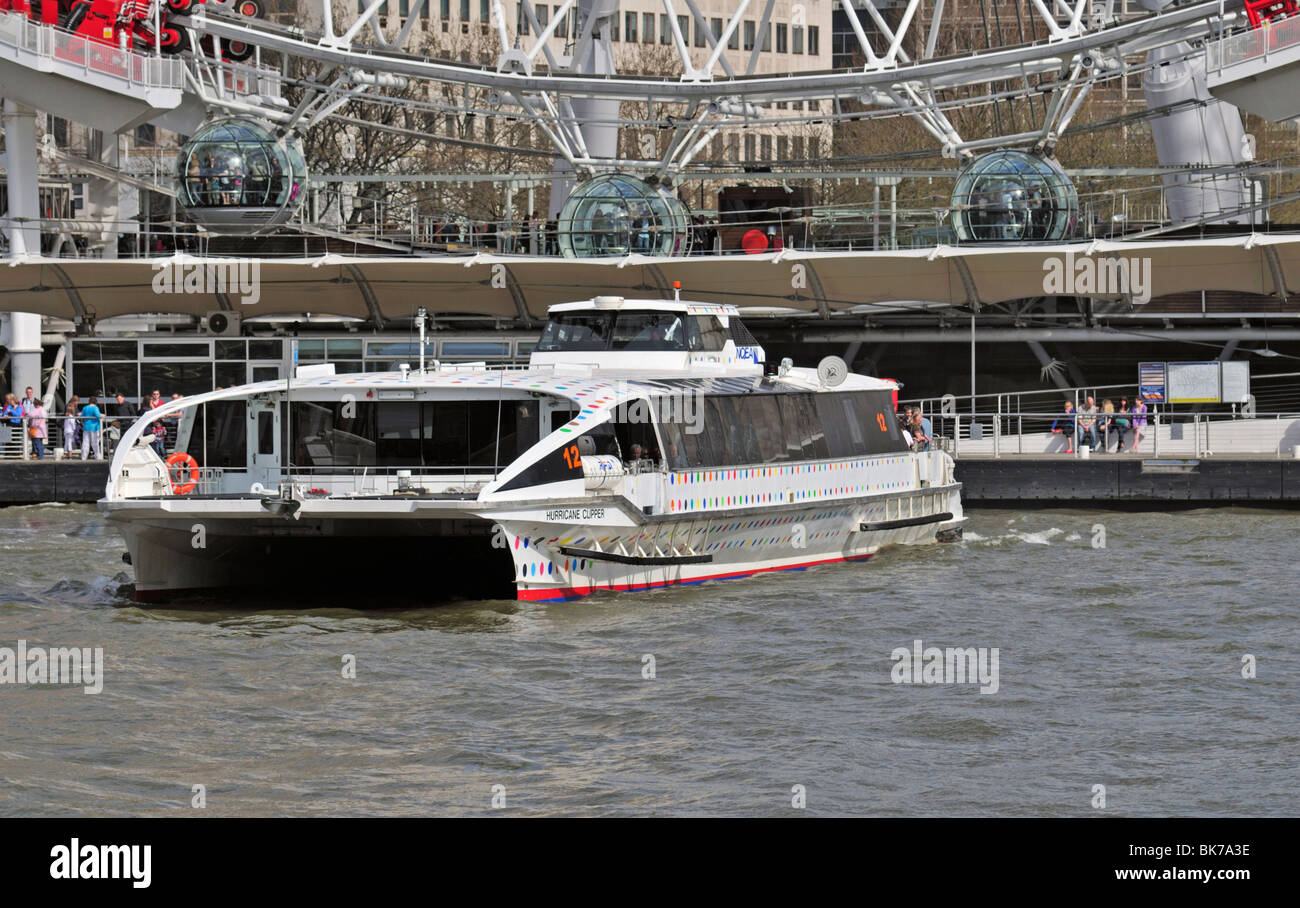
(1118, 666)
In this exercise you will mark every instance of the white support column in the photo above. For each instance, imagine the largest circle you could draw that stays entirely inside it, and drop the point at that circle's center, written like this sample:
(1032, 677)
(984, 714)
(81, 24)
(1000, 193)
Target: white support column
(23, 230)
(20, 332)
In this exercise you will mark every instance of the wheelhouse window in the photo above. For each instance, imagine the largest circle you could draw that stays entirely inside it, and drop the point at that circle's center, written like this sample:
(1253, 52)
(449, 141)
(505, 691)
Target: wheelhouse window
(649, 331)
(629, 331)
(575, 331)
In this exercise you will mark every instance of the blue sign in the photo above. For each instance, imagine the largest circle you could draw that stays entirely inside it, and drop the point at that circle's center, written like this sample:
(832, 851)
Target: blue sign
(1151, 382)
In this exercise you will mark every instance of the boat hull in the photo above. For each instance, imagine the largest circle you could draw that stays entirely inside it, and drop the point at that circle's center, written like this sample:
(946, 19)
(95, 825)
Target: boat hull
(560, 562)
(380, 552)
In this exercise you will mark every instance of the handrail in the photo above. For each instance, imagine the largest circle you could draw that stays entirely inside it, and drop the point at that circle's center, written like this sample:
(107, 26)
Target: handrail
(1011, 433)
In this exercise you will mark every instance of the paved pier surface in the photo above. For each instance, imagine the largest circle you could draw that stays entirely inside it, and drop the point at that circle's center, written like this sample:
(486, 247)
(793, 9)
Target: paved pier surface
(1128, 478)
(1019, 480)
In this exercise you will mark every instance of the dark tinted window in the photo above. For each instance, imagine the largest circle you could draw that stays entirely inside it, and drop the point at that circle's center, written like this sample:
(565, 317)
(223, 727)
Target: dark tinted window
(176, 378)
(707, 333)
(575, 331)
(451, 434)
(773, 428)
(227, 434)
(649, 331)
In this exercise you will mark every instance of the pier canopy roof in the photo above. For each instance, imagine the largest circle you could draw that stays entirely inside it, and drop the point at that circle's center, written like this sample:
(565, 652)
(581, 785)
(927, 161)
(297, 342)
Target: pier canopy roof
(521, 288)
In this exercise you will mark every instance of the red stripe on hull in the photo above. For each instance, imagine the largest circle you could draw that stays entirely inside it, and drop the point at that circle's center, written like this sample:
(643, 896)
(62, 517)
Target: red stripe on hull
(574, 592)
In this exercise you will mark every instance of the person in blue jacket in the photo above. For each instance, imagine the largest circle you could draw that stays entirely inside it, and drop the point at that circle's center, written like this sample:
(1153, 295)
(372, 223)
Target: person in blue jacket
(1067, 424)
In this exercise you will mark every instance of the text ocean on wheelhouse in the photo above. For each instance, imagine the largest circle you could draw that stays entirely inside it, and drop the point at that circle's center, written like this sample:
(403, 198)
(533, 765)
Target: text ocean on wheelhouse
(642, 446)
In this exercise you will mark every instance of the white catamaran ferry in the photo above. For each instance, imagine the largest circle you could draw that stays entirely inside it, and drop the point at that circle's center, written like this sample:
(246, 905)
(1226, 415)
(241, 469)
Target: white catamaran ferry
(643, 445)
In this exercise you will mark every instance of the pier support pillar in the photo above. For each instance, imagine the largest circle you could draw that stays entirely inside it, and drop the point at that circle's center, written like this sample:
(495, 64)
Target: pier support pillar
(20, 332)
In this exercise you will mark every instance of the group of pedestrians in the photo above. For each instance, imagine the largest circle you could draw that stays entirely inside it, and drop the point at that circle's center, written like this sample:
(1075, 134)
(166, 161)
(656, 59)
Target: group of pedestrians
(91, 429)
(28, 415)
(1096, 427)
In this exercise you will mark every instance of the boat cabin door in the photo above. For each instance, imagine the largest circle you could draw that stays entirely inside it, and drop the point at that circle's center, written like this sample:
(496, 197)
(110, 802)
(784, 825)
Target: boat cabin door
(264, 443)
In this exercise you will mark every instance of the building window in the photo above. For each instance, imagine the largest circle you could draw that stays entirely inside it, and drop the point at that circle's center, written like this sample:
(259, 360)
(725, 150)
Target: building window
(647, 28)
(464, 10)
(750, 34)
(665, 35)
(522, 20)
(796, 32)
(485, 10)
(562, 30)
(444, 11)
(798, 147)
(733, 147)
(765, 147)
(767, 38)
(733, 42)
(814, 40)
(629, 28)
(613, 27)
(716, 26)
(543, 15)
(782, 38)
(684, 26)
(700, 40)
(782, 147)
(749, 147)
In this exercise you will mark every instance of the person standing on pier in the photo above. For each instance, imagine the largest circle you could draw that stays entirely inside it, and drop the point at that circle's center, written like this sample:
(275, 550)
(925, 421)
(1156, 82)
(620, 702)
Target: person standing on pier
(91, 434)
(37, 428)
(70, 430)
(1139, 422)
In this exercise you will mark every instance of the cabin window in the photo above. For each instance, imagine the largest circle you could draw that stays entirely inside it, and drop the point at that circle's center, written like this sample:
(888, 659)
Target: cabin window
(227, 434)
(649, 331)
(630, 331)
(635, 432)
(706, 333)
(575, 331)
(266, 432)
(446, 434)
(763, 428)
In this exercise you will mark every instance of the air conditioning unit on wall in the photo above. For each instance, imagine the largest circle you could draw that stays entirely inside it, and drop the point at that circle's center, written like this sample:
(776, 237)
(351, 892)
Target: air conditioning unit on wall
(222, 323)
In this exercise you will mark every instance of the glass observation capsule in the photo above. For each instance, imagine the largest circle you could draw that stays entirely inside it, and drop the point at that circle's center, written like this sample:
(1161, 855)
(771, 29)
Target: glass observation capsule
(616, 214)
(1011, 196)
(236, 176)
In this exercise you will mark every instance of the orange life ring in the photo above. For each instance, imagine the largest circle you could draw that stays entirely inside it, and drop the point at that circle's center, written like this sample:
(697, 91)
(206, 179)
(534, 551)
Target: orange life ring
(177, 464)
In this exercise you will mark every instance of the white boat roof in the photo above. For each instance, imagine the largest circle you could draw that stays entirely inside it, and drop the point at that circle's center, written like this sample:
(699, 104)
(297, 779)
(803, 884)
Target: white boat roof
(591, 390)
(615, 303)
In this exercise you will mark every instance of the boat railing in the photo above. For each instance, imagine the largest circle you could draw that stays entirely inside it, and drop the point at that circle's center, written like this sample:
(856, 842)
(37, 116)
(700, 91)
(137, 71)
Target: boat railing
(333, 482)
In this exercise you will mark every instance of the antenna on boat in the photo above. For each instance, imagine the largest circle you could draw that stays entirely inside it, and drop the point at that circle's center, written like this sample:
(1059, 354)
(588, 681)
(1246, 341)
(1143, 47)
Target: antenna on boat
(832, 371)
(677, 290)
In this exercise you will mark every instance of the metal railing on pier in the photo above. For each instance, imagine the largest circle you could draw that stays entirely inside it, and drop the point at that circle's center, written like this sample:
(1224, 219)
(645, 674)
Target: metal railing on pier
(1151, 434)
